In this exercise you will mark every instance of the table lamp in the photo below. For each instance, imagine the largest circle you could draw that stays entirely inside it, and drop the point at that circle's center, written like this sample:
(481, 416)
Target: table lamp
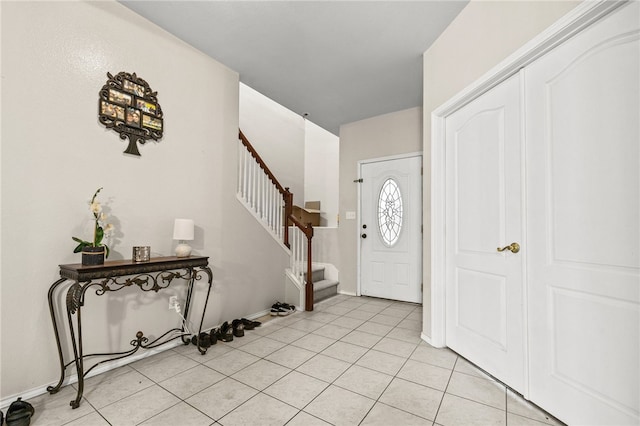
(183, 231)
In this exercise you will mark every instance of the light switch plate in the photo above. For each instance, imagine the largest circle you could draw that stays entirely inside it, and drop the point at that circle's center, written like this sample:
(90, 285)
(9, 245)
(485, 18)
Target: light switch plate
(351, 215)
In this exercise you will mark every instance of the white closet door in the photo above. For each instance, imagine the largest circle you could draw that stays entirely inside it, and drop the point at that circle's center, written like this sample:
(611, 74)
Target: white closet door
(583, 214)
(484, 287)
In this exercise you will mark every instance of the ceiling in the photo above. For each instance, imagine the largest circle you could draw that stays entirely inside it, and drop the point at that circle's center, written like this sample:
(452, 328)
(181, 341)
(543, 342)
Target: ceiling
(337, 61)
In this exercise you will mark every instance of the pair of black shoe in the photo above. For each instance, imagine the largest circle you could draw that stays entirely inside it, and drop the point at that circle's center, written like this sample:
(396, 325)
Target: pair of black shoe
(238, 326)
(18, 414)
(226, 332)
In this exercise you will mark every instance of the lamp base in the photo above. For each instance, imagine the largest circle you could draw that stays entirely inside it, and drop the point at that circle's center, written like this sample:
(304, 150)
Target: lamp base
(183, 250)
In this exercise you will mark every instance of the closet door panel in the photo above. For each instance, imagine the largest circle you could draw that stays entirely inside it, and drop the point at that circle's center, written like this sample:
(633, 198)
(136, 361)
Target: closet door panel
(583, 215)
(484, 287)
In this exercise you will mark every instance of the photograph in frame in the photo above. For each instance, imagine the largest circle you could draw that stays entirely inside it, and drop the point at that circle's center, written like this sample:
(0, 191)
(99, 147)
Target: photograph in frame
(112, 110)
(147, 107)
(118, 97)
(134, 88)
(151, 122)
(133, 117)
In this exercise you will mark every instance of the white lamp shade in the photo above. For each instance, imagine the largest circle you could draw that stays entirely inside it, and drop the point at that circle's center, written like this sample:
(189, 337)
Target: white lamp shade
(183, 229)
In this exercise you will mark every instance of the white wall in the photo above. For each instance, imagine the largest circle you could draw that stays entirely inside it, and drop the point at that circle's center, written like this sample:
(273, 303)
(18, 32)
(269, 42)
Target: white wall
(321, 171)
(278, 135)
(55, 56)
(390, 134)
(481, 36)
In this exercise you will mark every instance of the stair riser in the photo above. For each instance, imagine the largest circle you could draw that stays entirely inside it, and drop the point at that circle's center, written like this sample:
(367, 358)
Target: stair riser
(325, 293)
(317, 275)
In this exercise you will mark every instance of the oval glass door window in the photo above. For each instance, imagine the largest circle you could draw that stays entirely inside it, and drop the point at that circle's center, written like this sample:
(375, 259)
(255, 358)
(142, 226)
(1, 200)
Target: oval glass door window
(390, 212)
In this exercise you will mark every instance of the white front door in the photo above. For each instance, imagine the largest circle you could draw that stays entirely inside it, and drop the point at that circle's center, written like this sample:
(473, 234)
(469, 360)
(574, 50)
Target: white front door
(583, 187)
(391, 229)
(484, 286)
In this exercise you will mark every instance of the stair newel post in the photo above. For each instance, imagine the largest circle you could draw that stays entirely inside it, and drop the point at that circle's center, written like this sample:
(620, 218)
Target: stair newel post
(288, 211)
(308, 303)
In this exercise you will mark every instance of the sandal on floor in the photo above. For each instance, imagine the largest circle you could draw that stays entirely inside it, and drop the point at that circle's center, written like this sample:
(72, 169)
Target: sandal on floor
(238, 327)
(19, 413)
(250, 325)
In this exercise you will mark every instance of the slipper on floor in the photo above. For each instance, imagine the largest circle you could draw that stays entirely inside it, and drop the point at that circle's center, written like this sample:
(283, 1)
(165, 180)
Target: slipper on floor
(250, 325)
(19, 413)
(205, 340)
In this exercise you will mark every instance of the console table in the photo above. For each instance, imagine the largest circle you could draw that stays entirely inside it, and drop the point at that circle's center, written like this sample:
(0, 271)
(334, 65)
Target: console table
(154, 275)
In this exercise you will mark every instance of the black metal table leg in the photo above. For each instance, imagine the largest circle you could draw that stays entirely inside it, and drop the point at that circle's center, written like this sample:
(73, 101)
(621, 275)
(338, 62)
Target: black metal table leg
(204, 309)
(56, 388)
(73, 307)
(187, 304)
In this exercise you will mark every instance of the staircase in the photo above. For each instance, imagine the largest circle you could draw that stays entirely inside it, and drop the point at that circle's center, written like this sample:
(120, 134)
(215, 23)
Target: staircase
(272, 205)
(323, 288)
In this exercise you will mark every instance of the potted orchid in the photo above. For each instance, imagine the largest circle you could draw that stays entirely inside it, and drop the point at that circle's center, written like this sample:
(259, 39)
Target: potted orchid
(94, 252)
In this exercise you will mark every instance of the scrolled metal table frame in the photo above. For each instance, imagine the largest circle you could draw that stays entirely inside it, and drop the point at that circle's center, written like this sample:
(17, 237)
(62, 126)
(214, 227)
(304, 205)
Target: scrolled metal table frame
(155, 275)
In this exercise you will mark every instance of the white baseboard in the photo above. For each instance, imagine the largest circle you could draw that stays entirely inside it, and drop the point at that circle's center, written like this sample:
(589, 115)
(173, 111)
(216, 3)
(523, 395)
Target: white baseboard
(347, 293)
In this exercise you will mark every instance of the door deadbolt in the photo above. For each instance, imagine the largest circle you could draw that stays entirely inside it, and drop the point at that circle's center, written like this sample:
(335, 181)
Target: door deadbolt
(513, 247)
(364, 235)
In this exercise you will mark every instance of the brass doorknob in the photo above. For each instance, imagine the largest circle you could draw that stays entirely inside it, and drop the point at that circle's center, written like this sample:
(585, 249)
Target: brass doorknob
(513, 247)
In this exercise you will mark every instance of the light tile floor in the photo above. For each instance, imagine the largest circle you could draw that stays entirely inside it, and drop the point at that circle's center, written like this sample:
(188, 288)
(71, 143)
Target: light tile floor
(352, 361)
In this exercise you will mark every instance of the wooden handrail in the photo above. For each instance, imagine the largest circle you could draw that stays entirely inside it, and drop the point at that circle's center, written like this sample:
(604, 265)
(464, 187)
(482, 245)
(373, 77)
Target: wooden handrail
(286, 194)
(306, 229)
(262, 164)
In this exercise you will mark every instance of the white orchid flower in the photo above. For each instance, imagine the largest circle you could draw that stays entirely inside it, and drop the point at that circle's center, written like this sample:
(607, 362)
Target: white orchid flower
(96, 207)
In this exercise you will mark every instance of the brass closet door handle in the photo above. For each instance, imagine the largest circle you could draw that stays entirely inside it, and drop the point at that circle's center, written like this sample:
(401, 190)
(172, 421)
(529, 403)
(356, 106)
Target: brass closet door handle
(513, 247)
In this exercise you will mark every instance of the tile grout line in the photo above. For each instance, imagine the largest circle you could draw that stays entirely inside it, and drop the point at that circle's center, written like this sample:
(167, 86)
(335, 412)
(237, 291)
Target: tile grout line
(341, 374)
(307, 333)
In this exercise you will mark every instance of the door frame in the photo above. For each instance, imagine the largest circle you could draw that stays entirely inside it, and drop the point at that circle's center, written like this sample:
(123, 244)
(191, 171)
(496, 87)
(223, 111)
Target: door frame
(359, 224)
(582, 16)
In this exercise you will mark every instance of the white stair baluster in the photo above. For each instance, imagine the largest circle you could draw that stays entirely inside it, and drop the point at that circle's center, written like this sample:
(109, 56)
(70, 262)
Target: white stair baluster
(245, 171)
(240, 154)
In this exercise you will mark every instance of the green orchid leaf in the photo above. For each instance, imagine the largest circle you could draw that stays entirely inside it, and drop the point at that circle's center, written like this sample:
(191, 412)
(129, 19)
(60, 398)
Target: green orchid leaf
(106, 247)
(80, 246)
(99, 236)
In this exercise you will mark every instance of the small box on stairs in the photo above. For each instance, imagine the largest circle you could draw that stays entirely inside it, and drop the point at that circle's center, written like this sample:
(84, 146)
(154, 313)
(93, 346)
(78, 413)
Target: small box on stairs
(309, 214)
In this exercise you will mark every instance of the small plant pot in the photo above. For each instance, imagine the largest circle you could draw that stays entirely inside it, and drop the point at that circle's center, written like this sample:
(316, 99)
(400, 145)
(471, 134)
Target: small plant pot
(92, 256)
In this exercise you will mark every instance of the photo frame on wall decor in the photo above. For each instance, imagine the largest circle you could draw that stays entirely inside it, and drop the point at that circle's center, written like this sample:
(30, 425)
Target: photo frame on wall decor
(130, 107)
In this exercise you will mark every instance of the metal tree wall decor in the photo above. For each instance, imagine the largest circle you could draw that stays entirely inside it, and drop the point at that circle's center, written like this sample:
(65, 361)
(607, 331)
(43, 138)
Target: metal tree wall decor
(129, 106)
